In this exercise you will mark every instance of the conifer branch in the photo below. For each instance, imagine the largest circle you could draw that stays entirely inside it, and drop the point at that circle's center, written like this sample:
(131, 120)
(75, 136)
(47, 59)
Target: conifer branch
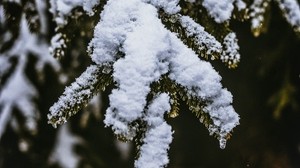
(80, 92)
(203, 43)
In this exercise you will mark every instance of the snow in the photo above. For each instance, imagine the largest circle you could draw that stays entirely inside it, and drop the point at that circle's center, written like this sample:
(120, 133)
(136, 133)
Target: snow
(88, 6)
(204, 39)
(149, 51)
(240, 4)
(153, 152)
(111, 31)
(62, 8)
(139, 68)
(291, 12)
(230, 53)
(73, 95)
(63, 153)
(57, 43)
(257, 10)
(169, 6)
(202, 81)
(221, 10)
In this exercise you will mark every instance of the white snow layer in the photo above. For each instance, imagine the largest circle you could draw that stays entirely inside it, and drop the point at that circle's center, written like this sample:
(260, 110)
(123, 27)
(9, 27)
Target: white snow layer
(80, 90)
(153, 153)
(151, 51)
(204, 39)
(63, 153)
(221, 10)
(62, 8)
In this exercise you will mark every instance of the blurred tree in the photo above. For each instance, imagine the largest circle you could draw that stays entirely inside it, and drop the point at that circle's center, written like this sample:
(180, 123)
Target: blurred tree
(265, 86)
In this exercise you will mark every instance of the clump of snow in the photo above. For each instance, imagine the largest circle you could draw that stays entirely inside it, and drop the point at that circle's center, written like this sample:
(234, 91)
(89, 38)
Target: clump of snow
(221, 10)
(240, 4)
(203, 39)
(62, 8)
(291, 12)
(169, 6)
(139, 68)
(111, 31)
(230, 53)
(88, 6)
(57, 44)
(158, 135)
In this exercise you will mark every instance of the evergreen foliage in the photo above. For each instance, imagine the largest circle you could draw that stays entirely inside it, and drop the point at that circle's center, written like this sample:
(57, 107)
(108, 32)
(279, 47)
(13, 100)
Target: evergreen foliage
(150, 55)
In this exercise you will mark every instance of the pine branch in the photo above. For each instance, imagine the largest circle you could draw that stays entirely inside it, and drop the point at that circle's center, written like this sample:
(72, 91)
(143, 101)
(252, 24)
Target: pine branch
(203, 43)
(79, 93)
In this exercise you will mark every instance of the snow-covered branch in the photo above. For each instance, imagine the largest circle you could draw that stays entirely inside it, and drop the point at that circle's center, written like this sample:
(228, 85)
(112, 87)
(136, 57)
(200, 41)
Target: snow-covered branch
(132, 39)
